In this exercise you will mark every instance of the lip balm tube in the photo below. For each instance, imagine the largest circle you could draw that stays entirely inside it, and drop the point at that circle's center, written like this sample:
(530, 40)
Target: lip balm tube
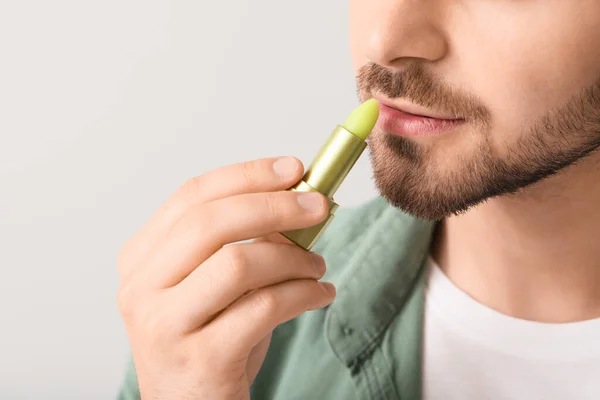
(332, 164)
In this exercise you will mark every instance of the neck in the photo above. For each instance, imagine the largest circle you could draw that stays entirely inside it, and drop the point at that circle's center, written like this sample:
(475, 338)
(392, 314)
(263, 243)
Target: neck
(533, 255)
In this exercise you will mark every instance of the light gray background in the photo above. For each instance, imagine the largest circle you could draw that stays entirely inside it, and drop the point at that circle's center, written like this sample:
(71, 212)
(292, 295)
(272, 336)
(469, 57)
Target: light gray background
(105, 108)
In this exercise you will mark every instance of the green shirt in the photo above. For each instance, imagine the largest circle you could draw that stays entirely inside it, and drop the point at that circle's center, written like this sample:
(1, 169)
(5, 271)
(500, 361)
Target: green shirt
(367, 343)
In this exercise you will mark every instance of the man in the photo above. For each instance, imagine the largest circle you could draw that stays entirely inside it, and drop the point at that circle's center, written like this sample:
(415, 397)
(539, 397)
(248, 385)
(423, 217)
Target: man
(475, 275)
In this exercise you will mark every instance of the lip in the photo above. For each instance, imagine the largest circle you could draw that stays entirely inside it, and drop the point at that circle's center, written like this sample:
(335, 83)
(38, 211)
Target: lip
(410, 120)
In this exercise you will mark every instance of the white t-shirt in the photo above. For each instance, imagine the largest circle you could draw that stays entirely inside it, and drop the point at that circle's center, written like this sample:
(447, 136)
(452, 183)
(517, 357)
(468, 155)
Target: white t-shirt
(472, 352)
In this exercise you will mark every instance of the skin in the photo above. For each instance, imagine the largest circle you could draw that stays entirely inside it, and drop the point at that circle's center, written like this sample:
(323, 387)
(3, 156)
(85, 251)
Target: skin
(199, 307)
(515, 187)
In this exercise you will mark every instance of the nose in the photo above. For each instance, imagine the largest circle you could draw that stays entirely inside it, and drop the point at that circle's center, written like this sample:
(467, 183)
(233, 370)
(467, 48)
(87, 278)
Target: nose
(401, 30)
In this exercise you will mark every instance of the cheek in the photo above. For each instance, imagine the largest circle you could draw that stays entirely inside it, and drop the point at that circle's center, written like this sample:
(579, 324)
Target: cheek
(525, 60)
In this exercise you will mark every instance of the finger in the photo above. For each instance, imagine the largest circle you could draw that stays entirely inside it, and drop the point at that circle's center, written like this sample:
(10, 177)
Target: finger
(207, 228)
(245, 323)
(275, 237)
(263, 175)
(233, 272)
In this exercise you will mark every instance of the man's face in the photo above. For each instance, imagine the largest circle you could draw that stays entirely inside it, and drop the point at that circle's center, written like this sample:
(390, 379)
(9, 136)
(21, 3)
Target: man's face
(515, 86)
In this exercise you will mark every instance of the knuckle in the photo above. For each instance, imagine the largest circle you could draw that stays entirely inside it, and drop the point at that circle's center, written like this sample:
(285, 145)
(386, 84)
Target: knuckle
(143, 313)
(266, 303)
(273, 207)
(248, 172)
(236, 263)
(190, 188)
(126, 301)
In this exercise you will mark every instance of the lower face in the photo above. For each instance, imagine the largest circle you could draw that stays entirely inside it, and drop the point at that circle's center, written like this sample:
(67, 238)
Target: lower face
(515, 87)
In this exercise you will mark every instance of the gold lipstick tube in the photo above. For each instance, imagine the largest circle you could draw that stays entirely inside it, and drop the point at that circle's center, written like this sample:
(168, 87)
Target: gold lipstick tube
(325, 175)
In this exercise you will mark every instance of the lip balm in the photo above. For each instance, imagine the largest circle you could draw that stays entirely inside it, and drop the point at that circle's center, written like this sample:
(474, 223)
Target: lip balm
(332, 164)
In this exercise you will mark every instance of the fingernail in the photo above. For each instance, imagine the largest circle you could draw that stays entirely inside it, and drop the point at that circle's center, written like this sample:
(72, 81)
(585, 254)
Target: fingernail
(328, 287)
(318, 262)
(286, 167)
(311, 202)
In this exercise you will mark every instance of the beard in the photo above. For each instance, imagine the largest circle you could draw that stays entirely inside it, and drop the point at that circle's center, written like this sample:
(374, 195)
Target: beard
(423, 181)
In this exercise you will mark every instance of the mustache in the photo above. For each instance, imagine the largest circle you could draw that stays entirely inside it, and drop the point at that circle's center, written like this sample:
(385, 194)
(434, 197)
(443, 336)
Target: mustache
(420, 87)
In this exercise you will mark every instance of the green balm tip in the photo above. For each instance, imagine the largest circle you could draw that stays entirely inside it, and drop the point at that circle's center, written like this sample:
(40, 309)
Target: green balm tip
(362, 121)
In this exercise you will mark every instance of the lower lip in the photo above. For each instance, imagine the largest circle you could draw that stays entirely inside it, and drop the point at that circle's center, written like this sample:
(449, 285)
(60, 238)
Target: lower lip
(399, 123)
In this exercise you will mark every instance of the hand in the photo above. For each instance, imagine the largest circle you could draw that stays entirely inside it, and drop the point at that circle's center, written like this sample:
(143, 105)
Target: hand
(198, 306)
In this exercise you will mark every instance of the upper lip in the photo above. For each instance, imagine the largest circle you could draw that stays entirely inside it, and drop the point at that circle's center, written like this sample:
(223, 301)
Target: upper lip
(411, 108)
